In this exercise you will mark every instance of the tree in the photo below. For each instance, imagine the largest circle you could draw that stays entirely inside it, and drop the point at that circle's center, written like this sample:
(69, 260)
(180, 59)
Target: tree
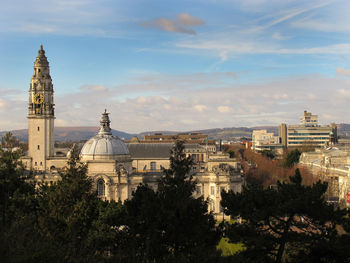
(171, 225)
(68, 211)
(282, 223)
(17, 203)
(231, 153)
(292, 158)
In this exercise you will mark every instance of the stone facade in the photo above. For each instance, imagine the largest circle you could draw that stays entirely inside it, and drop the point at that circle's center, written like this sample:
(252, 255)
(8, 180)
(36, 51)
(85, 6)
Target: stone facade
(333, 166)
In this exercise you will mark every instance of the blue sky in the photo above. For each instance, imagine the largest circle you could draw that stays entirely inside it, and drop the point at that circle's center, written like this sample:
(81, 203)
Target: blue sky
(178, 65)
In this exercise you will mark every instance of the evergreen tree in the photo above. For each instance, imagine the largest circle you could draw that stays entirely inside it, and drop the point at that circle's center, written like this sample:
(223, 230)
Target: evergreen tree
(292, 158)
(281, 224)
(17, 203)
(170, 225)
(68, 210)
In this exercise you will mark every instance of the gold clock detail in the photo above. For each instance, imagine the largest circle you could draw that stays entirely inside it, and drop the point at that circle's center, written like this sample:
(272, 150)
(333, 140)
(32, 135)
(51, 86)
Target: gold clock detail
(38, 98)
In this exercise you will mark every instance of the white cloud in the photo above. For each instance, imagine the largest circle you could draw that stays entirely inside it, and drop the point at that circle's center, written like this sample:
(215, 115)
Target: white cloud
(200, 108)
(223, 109)
(195, 105)
(278, 36)
(94, 88)
(343, 71)
(182, 24)
(186, 19)
(343, 93)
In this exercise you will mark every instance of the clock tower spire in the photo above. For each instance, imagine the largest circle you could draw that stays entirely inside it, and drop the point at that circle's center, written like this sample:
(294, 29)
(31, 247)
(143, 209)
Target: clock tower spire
(41, 113)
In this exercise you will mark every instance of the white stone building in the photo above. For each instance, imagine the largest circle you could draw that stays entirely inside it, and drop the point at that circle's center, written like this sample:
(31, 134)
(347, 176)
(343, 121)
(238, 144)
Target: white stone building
(116, 168)
(266, 141)
(332, 165)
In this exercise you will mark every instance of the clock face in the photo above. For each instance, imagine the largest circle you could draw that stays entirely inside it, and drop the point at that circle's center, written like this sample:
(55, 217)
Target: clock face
(38, 98)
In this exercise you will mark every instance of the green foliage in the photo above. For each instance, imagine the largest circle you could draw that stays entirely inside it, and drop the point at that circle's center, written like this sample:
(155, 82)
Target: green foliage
(17, 202)
(170, 225)
(292, 158)
(227, 248)
(68, 210)
(282, 223)
(66, 222)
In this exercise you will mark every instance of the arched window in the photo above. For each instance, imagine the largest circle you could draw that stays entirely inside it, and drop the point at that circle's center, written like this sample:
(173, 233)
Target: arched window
(100, 187)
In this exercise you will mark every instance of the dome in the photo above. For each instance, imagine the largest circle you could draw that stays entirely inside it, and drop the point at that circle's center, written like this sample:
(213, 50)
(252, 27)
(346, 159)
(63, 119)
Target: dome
(104, 146)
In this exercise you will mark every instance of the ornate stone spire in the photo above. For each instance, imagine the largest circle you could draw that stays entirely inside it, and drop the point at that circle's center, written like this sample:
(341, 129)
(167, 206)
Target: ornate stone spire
(105, 128)
(41, 88)
(41, 59)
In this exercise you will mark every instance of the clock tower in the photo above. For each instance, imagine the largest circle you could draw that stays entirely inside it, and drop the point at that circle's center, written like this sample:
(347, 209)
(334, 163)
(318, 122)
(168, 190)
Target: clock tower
(41, 114)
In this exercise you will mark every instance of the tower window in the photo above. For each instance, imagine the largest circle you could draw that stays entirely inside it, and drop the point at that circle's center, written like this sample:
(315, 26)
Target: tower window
(100, 187)
(36, 164)
(39, 70)
(38, 128)
(38, 147)
(41, 163)
(153, 166)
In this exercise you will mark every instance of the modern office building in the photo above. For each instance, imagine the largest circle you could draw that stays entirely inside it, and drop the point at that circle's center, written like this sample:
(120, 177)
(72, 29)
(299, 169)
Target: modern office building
(266, 141)
(307, 133)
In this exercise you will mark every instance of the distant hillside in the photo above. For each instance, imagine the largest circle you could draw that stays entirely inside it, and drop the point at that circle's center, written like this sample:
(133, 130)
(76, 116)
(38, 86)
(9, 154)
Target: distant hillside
(221, 133)
(85, 133)
(70, 133)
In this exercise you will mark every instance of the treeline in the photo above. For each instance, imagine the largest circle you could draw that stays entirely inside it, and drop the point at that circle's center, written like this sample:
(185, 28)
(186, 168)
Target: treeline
(67, 222)
(265, 169)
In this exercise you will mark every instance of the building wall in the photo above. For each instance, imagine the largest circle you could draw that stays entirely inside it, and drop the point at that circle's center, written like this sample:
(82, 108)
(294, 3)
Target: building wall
(282, 133)
(318, 136)
(144, 165)
(332, 166)
(40, 141)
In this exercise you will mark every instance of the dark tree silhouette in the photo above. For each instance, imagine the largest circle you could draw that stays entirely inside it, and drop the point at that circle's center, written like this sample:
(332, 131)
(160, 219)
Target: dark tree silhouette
(281, 223)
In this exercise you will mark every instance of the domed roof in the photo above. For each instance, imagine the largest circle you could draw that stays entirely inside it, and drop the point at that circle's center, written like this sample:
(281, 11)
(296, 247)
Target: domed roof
(104, 146)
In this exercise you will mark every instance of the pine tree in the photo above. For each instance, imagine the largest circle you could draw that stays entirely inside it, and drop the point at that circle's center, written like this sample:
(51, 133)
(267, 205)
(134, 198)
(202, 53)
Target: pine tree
(170, 225)
(68, 210)
(17, 203)
(282, 223)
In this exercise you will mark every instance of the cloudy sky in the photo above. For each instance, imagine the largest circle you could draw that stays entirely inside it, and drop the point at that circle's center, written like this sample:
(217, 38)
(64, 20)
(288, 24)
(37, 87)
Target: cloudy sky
(179, 65)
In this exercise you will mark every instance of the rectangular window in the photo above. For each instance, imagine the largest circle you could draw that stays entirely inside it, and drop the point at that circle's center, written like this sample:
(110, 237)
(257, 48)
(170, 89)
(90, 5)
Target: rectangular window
(153, 166)
(194, 157)
(38, 147)
(194, 169)
(198, 189)
(212, 190)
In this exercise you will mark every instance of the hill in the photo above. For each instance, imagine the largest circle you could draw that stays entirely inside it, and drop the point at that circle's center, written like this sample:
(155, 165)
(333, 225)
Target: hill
(70, 133)
(84, 133)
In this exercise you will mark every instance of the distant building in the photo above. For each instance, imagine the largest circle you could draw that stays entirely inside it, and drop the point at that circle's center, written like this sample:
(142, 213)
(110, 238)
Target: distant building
(307, 133)
(117, 168)
(266, 141)
(333, 166)
(191, 138)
